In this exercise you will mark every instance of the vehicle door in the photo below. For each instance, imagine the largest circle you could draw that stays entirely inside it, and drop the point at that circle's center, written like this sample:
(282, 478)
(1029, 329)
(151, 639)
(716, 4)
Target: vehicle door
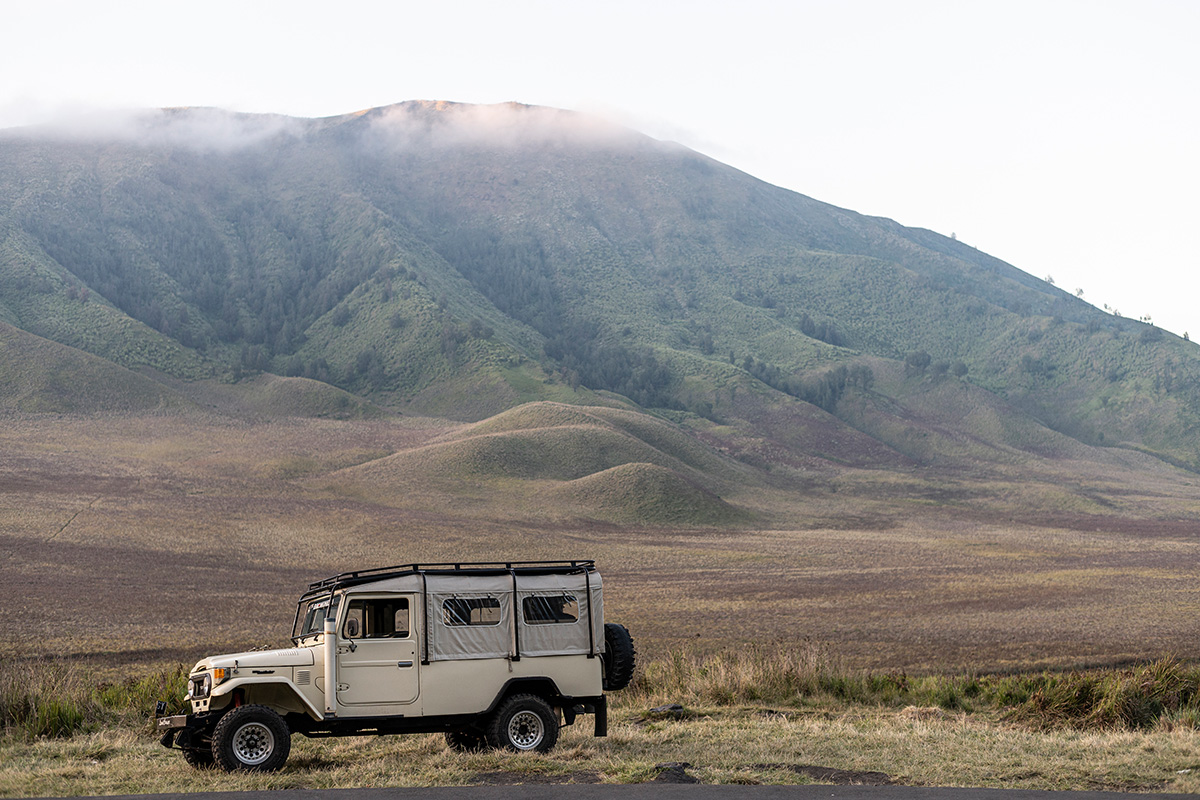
(377, 654)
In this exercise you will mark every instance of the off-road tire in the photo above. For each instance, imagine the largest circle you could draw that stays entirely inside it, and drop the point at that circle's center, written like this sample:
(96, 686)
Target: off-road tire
(619, 657)
(524, 722)
(251, 738)
(198, 757)
(466, 741)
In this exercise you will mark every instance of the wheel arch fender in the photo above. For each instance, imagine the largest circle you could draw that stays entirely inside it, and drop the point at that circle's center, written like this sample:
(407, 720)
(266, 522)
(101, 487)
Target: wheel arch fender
(279, 694)
(542, 686)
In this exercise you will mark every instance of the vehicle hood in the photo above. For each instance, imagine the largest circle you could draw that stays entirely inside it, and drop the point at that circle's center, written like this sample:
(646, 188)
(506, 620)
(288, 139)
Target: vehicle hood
(290, 657)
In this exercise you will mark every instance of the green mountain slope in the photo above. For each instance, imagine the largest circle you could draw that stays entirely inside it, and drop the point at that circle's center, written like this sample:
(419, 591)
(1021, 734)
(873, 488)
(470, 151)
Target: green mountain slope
(41, 376)
(461, 260)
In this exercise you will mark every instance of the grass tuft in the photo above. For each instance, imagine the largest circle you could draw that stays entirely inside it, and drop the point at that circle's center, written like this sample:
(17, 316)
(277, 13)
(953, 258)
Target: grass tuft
(1164, 691)
(56, 699)
(1135, 698)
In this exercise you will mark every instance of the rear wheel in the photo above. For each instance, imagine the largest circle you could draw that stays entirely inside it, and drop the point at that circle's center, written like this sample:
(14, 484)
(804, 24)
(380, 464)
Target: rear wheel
(524, 722)
(252, 738)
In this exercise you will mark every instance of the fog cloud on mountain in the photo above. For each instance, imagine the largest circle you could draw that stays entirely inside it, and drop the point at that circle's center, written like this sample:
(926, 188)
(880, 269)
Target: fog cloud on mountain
(399, 127)
(498, 125)
(199, 129)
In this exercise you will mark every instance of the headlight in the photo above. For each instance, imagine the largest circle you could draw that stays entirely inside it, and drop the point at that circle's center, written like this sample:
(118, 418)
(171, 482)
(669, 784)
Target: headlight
(199, 686)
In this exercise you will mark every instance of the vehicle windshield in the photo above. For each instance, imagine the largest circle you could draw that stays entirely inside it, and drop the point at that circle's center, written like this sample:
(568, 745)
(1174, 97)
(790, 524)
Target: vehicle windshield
(310, 617)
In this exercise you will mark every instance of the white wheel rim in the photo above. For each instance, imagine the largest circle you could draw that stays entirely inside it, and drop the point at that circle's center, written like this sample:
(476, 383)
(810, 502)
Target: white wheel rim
(525, 730)
(253, 743)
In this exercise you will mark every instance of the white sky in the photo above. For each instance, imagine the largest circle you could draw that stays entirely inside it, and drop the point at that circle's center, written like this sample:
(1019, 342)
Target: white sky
(1063, 137)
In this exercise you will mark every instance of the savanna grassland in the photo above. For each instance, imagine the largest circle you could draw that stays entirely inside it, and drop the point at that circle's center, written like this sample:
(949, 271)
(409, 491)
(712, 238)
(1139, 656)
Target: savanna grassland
(158, 538)
(830, 626)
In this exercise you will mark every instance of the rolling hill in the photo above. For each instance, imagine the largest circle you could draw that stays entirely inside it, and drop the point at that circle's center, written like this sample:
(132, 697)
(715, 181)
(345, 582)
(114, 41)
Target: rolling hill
(561, 462)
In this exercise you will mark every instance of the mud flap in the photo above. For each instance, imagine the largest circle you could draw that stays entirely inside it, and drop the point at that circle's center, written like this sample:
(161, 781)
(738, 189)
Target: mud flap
(601, 716)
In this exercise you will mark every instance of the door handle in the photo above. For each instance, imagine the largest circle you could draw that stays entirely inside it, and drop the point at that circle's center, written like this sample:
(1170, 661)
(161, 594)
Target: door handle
(403, 664)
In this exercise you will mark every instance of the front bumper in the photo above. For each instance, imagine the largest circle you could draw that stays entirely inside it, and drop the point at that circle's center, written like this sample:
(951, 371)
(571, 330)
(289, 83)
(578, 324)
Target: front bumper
(184, 730)
(164, 724)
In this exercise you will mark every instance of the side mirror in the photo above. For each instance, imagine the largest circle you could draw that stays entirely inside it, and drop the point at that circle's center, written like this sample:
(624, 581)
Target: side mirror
(351, 628)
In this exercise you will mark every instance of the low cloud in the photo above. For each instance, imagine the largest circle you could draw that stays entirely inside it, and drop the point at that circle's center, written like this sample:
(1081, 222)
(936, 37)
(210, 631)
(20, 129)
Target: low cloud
(502, 125)
(200, 129)
(411, 125)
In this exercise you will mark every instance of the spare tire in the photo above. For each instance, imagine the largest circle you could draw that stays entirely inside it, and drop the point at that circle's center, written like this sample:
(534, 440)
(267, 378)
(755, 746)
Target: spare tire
(619, 657)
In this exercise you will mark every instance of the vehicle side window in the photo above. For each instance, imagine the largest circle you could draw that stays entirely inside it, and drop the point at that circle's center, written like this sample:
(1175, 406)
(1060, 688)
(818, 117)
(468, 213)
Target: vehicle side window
(550, 609)
(377, 618)
(458, 611)
(400, 620)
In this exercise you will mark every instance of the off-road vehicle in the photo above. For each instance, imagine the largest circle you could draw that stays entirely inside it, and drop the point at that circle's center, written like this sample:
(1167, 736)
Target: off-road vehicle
(492, 655)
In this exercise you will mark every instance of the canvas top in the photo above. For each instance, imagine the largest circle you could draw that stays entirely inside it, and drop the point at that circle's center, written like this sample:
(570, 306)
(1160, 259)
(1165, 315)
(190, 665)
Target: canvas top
(492, 610)
(357, 577)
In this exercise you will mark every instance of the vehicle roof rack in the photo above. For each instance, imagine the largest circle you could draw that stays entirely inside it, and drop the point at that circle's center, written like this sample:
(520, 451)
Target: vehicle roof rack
(361, 576)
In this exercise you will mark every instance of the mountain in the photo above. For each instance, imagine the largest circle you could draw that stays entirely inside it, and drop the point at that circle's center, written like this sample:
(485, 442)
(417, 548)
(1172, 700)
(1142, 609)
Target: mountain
(459, 261)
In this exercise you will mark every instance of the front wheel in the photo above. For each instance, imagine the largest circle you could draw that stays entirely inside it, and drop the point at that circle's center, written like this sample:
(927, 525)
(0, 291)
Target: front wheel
(198, 757)
(252, 738)
(524, 722)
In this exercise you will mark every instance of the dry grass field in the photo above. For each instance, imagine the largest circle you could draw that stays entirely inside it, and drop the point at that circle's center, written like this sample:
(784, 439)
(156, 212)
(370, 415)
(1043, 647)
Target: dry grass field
(726, 745)
(153, 539)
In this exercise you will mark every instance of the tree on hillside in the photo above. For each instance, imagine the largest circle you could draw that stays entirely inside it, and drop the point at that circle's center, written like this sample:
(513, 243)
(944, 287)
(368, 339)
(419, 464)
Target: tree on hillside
(477, 330)
(635, 373)
(916, 362)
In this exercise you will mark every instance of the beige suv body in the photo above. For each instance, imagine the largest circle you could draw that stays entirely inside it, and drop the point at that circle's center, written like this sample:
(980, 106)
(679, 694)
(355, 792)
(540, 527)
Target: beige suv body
(492, 655)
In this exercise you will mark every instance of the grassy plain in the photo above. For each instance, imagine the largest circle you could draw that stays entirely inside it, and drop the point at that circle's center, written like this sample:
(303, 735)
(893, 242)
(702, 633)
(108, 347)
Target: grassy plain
(137, 542)
(722, 745)
(160, 538)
